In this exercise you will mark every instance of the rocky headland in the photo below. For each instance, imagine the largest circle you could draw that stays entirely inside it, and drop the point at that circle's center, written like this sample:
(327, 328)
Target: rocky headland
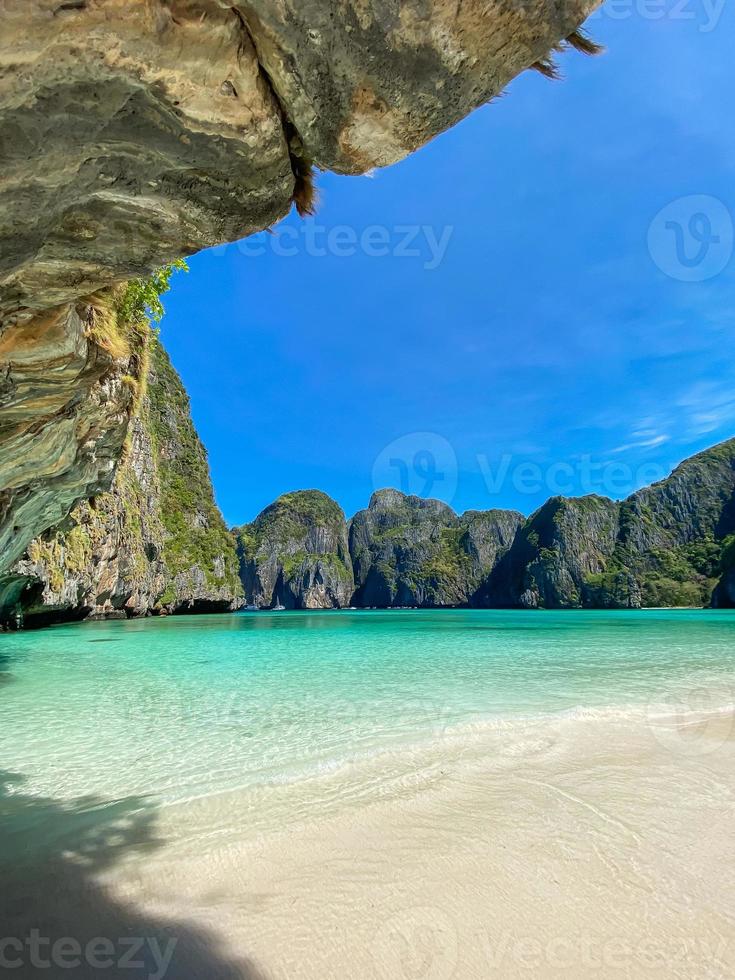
(135, 133)
(155, 543)
(671, 544)
(296, 554)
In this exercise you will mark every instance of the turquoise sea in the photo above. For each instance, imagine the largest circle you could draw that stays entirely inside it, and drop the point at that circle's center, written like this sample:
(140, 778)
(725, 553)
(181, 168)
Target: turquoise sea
(187, 707)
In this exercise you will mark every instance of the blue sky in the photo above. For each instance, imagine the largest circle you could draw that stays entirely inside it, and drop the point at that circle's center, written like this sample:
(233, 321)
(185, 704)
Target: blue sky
(565, 324)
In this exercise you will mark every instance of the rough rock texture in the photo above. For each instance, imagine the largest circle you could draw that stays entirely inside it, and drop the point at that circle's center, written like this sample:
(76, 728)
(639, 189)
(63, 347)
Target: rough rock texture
(156, 542)
(662, 546)
(199, 551)
(487, 537)
(365, 82)
(554, 552)
(295, 554)
(407, 551)
(133, 132)
(106, 558)
(67, 391)
(672, 534)
(138, 131)
(666, 545)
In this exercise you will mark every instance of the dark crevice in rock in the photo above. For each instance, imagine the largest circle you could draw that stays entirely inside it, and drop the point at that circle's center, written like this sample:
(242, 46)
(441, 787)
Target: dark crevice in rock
(304, 192)
(70, 7)
(202, 606)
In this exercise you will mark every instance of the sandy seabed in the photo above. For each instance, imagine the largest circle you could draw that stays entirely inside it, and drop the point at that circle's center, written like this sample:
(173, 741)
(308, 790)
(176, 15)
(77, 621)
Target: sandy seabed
(596, 845)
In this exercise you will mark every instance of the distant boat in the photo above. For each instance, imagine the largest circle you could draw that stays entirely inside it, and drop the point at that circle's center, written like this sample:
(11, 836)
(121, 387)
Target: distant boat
(277, 608)
(253, 607)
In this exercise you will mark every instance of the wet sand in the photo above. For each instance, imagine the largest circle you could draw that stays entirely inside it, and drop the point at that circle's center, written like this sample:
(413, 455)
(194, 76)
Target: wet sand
(590, 846)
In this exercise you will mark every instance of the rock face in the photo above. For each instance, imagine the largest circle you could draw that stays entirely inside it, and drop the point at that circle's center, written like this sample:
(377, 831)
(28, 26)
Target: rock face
(554, 553)
(295, 554)
(660, 547)
(134, 132)
(408, 551)
(365, 82)
(67, 391)
(156, 542)
(672, 534)
(198, 550)
(666, 545)
(138, 131)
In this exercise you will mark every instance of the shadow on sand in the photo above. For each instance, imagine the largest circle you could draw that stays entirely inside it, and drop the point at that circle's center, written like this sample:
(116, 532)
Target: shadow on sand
(51, 854)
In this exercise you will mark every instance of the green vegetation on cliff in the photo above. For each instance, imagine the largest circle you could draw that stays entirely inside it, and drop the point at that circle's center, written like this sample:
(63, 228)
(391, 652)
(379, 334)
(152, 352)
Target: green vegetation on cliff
(296, 553)
(450, 559)
(408, 551)
(727, 558)
(139, 301)
(293, 513)
(663, 546)
(195, 533)
(157, 540)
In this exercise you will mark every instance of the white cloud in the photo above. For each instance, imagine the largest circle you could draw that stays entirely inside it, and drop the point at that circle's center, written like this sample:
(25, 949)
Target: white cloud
(650, 443)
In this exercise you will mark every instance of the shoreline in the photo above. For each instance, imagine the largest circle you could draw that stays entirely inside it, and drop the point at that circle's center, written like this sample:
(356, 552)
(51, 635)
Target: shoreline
(593, 845)
(121, 617)
(488, 861)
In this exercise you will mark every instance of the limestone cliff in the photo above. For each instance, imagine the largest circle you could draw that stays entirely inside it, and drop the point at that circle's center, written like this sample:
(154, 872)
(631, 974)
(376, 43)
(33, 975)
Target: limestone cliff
(296, 554)
(670, 544)
(672, 534)
(408, 551)
(68, 384)
(554, 553)
(155, 542)
(663, 546)
(134, 132)
(158, 543)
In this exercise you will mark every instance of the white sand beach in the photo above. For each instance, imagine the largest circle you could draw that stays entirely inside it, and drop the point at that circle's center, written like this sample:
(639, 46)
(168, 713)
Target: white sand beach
(591, 846)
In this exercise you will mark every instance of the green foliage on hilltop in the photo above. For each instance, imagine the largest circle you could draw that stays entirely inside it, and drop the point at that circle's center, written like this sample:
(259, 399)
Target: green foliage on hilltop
(303, 506)
(195, 532)
(296, 551)
(289, 517)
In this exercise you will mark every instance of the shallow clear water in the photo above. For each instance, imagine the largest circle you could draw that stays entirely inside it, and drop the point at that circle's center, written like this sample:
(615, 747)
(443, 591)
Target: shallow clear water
(185, 707)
